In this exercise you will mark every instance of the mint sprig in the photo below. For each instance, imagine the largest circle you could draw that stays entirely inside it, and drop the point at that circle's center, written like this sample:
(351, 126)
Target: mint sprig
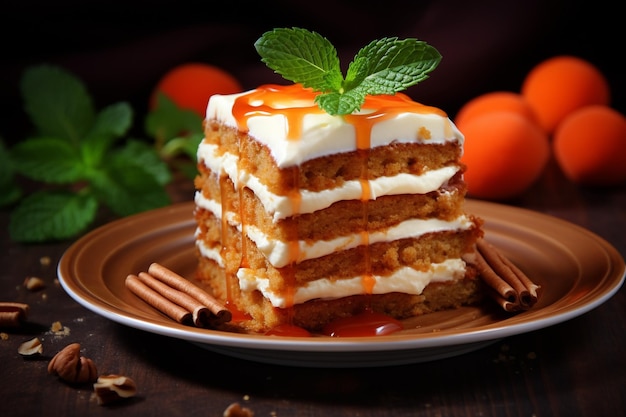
(77, 153)
(384, 66)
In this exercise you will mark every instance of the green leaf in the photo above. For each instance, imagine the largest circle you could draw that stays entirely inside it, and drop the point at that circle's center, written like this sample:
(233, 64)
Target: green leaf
(395, 65)
(168, 121)
(384, 66)
(144, 156)
(49, 160)
(336, 103)
(57, 103)
(46, 216)
(186, 145)
(128, 188)
(302, 57)
(112, 123)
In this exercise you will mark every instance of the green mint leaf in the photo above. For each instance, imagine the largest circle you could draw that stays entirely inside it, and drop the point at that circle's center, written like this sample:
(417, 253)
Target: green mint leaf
(49, 160)
(302, 57)
(144, 156)
(128, 188)
(111, 124)
(394, 65)
(57, 103)
(337, 103)
(46, 216)
(384, 66)
(167, 121)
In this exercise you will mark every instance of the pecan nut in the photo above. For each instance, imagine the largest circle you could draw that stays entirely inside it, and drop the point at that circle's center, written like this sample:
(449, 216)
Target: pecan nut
(71, 367)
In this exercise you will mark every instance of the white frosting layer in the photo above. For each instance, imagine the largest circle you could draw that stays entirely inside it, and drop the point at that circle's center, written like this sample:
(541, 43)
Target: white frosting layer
(322, 134)
(405, 280)
(282, 206)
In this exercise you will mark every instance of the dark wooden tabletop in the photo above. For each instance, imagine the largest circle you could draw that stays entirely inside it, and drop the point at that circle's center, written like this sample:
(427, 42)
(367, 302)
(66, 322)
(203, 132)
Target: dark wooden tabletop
(576, 368)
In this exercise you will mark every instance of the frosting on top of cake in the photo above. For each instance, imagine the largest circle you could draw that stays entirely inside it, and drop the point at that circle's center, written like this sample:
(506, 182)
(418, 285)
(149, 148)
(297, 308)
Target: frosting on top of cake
(287, 120)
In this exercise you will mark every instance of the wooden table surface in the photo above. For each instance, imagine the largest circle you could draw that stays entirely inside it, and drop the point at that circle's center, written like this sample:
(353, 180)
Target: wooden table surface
(576, 368)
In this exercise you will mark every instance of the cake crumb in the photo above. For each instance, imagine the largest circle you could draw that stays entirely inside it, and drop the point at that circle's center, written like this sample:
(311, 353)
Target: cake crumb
(44, 261)
(4, 336)
(59, 330)
(236, 410)
(34, 283)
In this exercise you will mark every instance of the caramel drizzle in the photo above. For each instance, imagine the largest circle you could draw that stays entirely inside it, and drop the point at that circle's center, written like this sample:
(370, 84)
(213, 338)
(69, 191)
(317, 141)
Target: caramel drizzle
(295, 197)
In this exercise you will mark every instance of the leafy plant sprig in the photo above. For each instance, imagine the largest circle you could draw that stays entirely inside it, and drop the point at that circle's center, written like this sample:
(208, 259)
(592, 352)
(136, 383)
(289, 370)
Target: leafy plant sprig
(75, 153)
(384, 66)
(176, 132)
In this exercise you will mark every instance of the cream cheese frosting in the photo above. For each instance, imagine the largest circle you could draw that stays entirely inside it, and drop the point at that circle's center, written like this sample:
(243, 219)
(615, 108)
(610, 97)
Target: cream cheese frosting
(266, 114)
(405, 280)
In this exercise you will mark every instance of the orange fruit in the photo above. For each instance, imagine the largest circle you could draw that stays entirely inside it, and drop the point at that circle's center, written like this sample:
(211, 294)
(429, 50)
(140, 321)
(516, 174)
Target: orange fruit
(494, 101)
(504, 154)
(559, 85)
(190, 85)
(590, 146)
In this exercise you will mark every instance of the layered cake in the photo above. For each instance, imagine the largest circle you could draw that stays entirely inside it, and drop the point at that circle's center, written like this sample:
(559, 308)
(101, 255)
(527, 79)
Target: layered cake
(304, 217)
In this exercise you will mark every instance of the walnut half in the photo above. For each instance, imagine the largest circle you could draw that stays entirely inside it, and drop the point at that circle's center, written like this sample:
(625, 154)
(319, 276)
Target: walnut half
(71, 367)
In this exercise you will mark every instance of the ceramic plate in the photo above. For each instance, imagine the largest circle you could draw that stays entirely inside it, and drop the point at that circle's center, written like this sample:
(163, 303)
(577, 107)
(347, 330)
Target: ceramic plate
(577, 271)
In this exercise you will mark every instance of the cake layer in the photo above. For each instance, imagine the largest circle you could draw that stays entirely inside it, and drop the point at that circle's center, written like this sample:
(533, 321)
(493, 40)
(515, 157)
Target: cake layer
(315, 314)
(385, 263)
(212, 165)
(242, 154)
(316, 235)
(339, 218)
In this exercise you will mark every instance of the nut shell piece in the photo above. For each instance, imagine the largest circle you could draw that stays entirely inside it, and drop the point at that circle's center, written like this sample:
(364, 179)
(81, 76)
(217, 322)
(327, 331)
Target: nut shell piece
(113, 388)
(30, 347)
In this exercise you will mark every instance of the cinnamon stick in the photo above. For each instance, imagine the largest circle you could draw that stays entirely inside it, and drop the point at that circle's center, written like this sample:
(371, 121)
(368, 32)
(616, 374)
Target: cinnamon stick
(526, 290)
(197, 309)
(12, 313)
(506, 304)
(532, 288)
(507, 284)
(221, 313)
(156, 300)
(495, 281)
